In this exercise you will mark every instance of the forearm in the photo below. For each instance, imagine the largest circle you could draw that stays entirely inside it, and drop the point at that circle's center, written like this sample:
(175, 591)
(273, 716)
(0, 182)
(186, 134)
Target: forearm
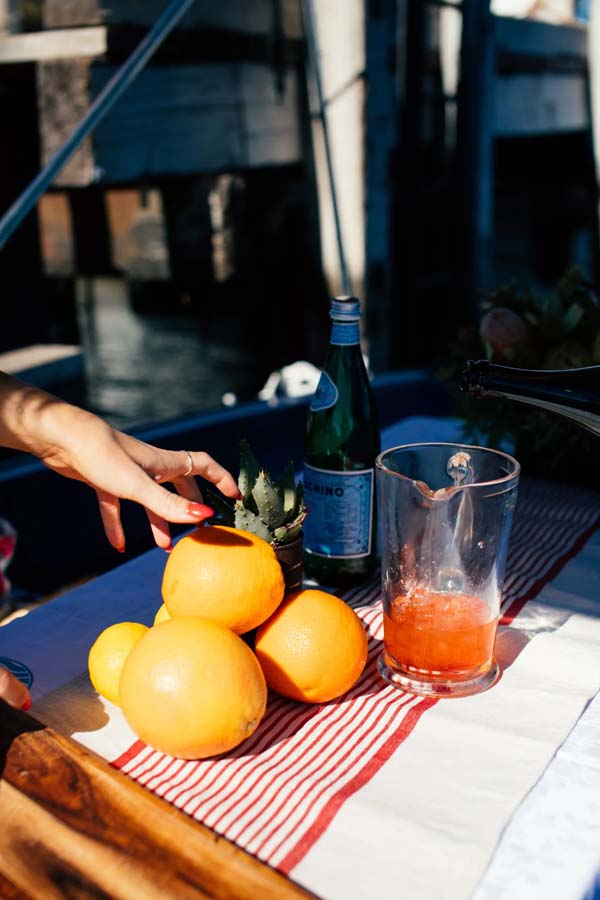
(29, 417)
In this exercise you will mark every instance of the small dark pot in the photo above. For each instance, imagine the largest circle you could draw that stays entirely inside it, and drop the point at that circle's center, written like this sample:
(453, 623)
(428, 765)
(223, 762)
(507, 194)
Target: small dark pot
(289, 557)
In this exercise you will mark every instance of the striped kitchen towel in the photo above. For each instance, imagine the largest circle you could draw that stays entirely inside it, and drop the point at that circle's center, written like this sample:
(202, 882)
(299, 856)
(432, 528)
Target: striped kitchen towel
(277, 793)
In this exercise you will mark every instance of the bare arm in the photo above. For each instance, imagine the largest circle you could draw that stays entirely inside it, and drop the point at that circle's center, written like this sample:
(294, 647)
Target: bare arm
(80, 445)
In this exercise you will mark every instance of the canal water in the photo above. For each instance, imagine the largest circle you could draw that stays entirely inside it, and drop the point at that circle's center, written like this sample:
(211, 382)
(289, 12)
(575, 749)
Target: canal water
(147, 366)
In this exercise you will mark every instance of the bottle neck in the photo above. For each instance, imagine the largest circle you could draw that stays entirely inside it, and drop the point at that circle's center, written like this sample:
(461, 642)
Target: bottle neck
(345, 316)
(344, 334)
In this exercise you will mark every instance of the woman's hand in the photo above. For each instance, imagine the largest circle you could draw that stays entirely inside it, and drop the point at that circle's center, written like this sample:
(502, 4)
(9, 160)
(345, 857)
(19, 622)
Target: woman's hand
(12, 691)
(83, 446)
(118, 466)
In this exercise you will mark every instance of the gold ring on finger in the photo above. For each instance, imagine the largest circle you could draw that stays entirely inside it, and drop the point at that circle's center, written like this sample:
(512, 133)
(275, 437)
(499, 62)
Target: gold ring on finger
(190, 463)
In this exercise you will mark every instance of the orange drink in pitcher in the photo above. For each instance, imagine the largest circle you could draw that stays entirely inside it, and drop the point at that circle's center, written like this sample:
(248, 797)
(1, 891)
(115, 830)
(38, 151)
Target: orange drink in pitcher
(446, 511)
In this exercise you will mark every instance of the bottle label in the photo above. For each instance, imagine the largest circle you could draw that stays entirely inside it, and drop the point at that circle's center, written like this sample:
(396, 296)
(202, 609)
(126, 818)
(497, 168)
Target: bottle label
(340, 505)
(344, 334)
(326, 394)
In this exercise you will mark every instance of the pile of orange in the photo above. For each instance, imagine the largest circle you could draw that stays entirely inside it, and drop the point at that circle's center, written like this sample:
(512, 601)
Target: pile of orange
(190, 685)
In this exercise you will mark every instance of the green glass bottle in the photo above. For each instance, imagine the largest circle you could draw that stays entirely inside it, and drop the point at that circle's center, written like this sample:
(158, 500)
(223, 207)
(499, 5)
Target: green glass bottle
(342, 441)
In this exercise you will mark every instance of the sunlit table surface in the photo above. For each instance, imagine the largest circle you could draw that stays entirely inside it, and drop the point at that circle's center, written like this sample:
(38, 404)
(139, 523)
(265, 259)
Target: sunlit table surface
(488, 797)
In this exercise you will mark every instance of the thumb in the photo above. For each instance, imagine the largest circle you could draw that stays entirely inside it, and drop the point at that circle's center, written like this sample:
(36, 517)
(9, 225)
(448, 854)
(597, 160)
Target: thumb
(172, 507)
(12, 691)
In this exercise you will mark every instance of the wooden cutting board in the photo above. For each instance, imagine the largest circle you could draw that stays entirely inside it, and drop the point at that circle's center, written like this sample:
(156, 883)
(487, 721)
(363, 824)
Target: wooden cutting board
(72, 826)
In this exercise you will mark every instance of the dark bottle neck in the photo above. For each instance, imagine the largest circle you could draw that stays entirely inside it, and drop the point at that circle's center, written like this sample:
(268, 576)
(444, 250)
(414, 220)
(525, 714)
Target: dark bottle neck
(572, 388)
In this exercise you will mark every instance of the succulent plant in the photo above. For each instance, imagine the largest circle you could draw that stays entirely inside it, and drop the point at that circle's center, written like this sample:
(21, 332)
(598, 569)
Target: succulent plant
(273, 509)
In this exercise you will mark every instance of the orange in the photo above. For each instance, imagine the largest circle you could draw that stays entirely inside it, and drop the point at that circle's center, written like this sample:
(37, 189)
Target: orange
(224, 574)
(192, 688)
(162, 614)
(108, 654)
(313, 648)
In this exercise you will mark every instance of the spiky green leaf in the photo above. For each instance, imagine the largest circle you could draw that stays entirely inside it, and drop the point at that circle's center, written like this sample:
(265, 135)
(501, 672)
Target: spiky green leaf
(249, 469)
(287, 533)
(249, 521)
(286, 483)
(300, 508)
(268, 501)
(292, 524)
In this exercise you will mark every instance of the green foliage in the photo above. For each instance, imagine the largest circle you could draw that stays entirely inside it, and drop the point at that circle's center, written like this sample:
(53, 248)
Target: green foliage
(273, 509)
(564, 332)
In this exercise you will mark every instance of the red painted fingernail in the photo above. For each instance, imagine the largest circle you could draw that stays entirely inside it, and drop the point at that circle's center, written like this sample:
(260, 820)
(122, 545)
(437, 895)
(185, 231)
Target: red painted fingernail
(200, 511)
(168, 549)
(26, 705)
(239, 495)
(121, 549)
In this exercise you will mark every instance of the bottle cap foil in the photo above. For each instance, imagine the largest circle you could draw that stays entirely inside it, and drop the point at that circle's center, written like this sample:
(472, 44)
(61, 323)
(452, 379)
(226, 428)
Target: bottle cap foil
(345, 309)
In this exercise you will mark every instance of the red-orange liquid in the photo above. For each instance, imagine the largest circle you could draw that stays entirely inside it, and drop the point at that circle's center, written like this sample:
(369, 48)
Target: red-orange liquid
(440, 634)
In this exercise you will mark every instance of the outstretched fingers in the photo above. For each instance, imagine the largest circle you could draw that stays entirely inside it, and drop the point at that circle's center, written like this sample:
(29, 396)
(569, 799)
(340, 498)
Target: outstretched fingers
(138, 473)
(187, 487)
(207, 467)
(160, 531)
(169, 506)
(110, 513)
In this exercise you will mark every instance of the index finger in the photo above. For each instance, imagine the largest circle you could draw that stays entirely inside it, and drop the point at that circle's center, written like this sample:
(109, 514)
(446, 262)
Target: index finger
(207, 467)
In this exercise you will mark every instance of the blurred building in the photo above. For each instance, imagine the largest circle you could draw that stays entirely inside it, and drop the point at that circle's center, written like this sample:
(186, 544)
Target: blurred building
(462, 138)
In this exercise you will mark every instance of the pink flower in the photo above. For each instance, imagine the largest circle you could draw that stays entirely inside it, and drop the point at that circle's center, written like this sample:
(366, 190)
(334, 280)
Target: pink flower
(502, 329)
